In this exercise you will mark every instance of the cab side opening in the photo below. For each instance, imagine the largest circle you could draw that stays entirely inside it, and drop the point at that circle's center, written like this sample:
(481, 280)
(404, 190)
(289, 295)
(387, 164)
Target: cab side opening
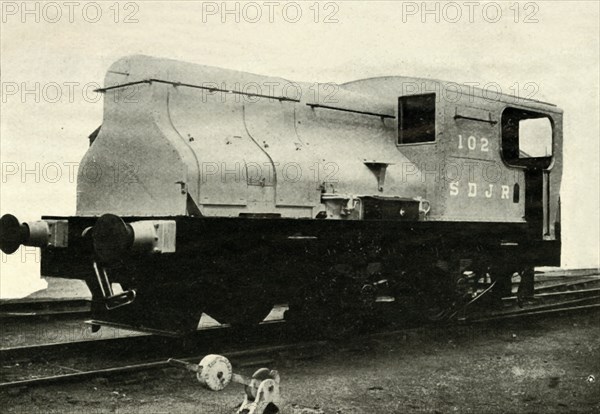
(527, 141)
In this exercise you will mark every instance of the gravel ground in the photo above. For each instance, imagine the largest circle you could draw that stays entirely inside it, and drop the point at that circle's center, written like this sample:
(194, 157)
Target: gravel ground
(530, 366)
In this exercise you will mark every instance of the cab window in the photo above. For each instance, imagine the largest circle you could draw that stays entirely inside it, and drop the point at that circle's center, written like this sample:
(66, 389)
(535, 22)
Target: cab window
(526, 137)
(416, 119)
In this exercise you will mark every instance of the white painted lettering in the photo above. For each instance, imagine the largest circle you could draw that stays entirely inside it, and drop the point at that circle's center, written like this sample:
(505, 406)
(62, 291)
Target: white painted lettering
(472, 190)
(454, 188)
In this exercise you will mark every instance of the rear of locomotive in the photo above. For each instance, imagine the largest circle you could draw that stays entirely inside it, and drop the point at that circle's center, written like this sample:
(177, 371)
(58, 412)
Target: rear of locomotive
(196, 196)
(490, 166)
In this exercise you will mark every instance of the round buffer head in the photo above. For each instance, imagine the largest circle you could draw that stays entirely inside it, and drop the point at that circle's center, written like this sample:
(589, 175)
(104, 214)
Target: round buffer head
(112, 238)
(12, 233)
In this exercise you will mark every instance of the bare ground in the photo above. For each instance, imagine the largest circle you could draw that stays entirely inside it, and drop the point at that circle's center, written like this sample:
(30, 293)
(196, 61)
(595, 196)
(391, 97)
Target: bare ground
(530, 366)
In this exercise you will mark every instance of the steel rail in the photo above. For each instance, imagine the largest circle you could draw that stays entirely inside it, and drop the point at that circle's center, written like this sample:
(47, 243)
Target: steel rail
(29, 309)
(556, 294)
(163, 363)
(538, 312)
(569, 284)
(570, 272)
(78, 376)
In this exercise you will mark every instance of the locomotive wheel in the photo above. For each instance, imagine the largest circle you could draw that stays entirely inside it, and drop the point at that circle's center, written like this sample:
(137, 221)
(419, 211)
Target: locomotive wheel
(329, 316)
(162, 307)
(330, 321)
(426, 295)
(337, 303)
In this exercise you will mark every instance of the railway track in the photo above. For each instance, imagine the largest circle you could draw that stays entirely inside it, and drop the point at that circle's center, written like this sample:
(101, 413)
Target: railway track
(549, 295)
(157, 350)
(543, 303)
(560, 292)
(121, 356)
(305, 349)
(163, 363)
(27, 309)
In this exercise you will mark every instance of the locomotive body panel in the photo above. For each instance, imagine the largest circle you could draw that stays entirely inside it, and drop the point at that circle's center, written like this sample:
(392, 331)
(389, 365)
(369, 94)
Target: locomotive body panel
(271, 124)
(132, 167)
(486, 188)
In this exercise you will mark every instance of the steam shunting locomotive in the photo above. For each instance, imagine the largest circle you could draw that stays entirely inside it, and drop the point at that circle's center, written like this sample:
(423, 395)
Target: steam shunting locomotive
(208, 190)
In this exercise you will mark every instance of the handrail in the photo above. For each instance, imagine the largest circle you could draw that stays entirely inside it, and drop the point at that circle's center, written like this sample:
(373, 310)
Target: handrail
(189, 85)
(312, 105)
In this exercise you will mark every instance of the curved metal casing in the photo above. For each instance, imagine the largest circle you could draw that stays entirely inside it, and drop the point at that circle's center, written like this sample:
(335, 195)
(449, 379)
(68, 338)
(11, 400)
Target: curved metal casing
(175, 148)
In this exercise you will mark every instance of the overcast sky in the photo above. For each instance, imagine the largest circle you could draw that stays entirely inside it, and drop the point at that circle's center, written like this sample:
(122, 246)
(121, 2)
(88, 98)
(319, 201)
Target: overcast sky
(545, 49)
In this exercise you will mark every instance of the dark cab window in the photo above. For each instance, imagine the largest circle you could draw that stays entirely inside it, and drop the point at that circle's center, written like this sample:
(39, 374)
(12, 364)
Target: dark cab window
(416, 119)
(526, 138)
